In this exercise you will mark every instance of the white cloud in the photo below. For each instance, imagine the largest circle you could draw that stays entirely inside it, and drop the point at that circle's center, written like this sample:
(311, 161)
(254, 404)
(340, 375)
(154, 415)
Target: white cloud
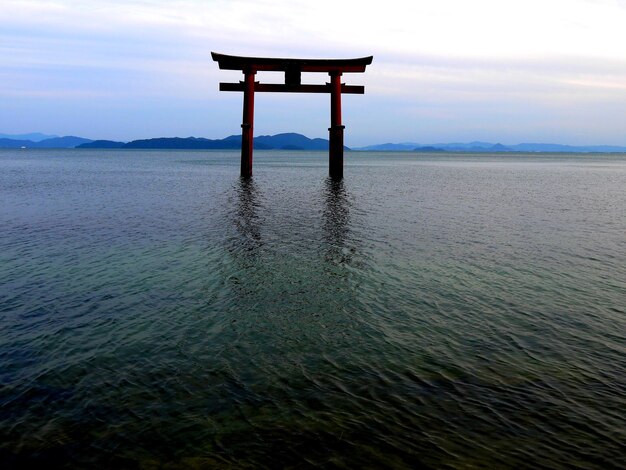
(453, 28)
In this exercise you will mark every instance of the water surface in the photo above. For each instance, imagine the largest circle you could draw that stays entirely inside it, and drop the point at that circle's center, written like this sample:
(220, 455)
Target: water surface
(445, 310)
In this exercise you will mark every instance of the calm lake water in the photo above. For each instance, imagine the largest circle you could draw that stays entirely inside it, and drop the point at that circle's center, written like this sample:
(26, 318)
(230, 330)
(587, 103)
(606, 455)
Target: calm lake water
(437, 311)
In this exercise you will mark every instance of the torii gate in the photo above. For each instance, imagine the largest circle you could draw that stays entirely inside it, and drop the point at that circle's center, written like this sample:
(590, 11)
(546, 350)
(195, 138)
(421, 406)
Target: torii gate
(293, 69)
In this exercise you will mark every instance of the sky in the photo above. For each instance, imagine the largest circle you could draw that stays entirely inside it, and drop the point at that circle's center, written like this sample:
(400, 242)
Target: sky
(443, 70)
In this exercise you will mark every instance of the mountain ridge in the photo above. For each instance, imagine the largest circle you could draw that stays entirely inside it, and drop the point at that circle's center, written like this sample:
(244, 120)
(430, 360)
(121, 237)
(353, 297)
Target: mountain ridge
(292, 141)
(32, 136)
(66, 142)
(491, 147)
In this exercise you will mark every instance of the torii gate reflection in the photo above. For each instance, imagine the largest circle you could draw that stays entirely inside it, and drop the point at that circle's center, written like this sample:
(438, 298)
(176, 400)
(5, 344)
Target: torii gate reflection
(293, 69)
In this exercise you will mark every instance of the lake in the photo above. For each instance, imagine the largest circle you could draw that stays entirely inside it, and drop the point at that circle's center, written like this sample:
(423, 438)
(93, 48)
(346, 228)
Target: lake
(428, 311)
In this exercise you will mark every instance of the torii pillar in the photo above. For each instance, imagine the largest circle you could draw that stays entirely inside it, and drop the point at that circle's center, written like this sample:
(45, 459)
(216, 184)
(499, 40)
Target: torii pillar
(247, 125)
(335, 147)
(293, 69)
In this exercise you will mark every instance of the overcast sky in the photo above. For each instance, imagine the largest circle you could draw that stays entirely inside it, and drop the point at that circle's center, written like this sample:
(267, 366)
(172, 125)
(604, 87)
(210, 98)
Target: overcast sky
(444, 70)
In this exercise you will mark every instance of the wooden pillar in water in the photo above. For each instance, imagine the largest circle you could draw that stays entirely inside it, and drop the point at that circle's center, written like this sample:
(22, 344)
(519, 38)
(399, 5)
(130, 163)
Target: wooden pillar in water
(335, 150)
(247, 126)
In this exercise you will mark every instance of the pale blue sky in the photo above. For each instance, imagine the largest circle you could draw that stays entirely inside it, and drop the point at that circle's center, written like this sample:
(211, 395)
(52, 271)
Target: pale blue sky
(445, 70)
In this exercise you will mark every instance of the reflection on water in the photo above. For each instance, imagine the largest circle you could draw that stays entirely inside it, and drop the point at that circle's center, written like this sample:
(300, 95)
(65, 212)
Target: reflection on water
(336, 220)
(246, 216)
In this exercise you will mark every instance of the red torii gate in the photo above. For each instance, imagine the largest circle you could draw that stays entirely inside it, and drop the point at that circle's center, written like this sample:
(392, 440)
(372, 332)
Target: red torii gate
(293, 69)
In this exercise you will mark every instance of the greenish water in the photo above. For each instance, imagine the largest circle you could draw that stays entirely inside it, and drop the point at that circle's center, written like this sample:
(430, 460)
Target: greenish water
(438, 311)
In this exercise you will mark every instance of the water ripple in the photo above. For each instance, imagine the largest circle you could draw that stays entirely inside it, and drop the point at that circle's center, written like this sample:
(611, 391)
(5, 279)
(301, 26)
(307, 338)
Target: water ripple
(426, 312)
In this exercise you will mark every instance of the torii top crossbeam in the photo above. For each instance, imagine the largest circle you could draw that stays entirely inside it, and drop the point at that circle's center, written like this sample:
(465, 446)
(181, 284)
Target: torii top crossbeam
(275, 64)
(293, 69)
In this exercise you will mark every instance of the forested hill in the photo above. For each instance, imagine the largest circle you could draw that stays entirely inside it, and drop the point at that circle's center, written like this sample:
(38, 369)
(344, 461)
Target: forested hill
(288, 141)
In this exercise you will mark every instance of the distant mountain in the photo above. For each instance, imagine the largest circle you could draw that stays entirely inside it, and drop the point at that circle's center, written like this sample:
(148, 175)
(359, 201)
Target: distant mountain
(428, 148)
(55, 142)
(180, 143)
(471, 146)
(567, 148)
(67, 142)
(490, 147)
(287, 141)
(290, 141)
(499, 148)
(389, 147)
(33, 136)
